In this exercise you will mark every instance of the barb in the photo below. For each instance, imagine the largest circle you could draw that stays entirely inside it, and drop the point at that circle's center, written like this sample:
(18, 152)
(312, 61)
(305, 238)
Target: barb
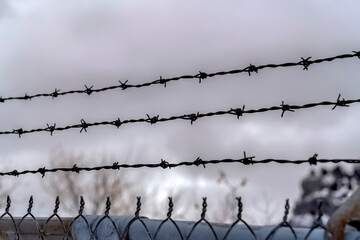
(305, 63)
(192, 117)
(164, 164)
(340, 102)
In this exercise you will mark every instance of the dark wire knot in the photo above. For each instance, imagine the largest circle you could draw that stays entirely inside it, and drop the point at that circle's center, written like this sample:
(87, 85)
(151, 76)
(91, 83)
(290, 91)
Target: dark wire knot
(138, 206)
(240, 207)
(55, 93)
(357, 53)
(287, 208)
(82, 205)
(204, 208)
(51, 129)
(117, 122)
(15, 173)
(313, 160)
(1, 99)
(57, 204)
(123, 85)
(115, 166)
(30, 204)
(199, 162)
(152, 120)
(162, 81)
(42, 171)
(238, 111)
(252, 68)
(193, 117)
(305, 63)
(171, 205)
(164, 164)
(19, 131)
(84, 125)
(75, 169)
(27, 97)
(88, 90)
(340, 103)
(247, 160)
(201, 76)
(108, 206)
(284, 108)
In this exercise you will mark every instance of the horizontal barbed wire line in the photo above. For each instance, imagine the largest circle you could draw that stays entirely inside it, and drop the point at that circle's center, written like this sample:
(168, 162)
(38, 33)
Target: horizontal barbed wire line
(151, 228)
(166, 165)
(305, 63)
(188, 117)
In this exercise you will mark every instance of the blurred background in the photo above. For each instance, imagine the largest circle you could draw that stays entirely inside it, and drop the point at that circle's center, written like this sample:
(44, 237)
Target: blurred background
(68, 44)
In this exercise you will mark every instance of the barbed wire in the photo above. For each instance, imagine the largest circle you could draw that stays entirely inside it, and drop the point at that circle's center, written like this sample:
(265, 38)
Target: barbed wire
(88, 227)
(305, 63)
(188, 117)
(166, 165)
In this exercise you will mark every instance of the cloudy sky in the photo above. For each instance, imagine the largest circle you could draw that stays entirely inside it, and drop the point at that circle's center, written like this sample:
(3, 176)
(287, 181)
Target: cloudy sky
(66, 45)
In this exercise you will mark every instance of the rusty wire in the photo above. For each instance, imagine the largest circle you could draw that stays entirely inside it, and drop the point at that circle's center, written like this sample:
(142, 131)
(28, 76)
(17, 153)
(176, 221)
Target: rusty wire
(305, 63)
(123, 232)
(192, 117)
(166, 165)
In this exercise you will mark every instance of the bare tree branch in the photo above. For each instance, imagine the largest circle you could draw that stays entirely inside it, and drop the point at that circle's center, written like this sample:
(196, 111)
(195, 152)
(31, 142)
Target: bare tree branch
(95, 186)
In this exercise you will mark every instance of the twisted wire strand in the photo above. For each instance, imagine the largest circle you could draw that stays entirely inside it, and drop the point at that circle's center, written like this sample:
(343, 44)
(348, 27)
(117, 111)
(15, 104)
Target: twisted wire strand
(305, 63)
(166, 165)
(192, 117)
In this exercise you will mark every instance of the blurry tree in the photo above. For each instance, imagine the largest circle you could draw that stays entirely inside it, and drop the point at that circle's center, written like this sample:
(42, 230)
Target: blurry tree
(265, 207)
(94, 186)
(229, 209)
(229, 206)
(329, 186)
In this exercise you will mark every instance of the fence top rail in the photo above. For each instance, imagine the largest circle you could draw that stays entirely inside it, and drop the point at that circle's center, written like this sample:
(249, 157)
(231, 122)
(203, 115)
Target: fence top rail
(105, 230)
(305, 63)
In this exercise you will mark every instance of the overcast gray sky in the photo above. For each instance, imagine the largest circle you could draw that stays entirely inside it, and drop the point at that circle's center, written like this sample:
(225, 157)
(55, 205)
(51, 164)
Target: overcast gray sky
(66, 45)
